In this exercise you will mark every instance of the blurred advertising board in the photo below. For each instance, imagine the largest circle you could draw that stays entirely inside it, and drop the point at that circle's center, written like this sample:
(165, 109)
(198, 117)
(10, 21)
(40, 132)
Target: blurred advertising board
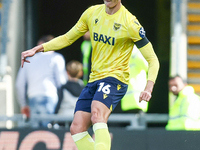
(122, 139)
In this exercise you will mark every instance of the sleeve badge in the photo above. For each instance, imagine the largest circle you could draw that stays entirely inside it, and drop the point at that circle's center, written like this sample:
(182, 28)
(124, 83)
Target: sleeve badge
(142, 32)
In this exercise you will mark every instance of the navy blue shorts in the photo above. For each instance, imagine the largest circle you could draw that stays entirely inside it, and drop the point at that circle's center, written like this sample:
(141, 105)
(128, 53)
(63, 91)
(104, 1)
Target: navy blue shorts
(109, 91)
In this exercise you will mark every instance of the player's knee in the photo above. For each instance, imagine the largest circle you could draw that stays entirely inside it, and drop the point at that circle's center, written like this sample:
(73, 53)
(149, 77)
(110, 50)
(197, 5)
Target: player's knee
(72, 128)
(93, 119)
(97, 117)
(77, 128)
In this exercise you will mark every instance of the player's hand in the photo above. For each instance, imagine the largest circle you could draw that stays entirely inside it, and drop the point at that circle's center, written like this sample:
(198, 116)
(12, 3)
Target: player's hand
(145, 96)
(25, 54)
(30, 53)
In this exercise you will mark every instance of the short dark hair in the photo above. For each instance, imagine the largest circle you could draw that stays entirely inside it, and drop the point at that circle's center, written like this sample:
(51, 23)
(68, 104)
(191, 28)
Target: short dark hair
(45, 38)
(173, 77)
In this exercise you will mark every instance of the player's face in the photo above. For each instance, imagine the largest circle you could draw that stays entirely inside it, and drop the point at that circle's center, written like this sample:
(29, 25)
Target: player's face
(111, 3)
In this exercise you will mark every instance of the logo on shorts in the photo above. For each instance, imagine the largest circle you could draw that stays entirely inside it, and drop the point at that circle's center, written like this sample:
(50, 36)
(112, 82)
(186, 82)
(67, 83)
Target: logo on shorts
(118, 87)
(111, 107)
(105, 96)
(117, 26)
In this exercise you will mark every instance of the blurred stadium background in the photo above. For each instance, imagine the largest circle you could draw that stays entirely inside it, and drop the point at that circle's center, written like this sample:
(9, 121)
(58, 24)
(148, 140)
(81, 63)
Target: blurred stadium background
(173, 27)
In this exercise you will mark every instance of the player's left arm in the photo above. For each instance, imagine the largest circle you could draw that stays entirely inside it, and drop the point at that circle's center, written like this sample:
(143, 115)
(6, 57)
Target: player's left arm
(137, 34)
(153, 64)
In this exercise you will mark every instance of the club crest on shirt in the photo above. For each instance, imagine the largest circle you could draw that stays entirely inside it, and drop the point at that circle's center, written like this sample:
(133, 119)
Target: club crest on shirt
(116, 26)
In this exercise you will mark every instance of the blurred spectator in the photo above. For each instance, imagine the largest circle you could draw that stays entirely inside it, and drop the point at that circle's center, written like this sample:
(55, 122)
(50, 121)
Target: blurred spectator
(38, 82)
(86, 49)
(70, 92)
(184, 114)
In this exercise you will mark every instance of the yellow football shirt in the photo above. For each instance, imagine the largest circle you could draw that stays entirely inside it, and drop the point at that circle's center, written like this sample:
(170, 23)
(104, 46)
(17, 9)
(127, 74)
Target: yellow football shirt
(113, 38)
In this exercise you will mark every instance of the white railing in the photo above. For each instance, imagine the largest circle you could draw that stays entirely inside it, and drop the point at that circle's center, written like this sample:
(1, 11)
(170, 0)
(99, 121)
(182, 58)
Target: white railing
(134, 121)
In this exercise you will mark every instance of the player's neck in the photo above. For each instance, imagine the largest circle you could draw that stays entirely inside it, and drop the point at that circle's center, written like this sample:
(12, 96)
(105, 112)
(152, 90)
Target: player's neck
(113, 10)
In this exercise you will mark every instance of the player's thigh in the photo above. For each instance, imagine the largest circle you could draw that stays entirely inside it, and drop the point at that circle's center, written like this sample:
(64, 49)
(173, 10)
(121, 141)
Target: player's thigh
(81, 122)
(110, 91)
(108, 94)
(85, 98)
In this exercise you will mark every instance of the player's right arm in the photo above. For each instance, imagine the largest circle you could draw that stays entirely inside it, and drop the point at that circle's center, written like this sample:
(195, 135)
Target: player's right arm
(30, 53)
(79, 29)
(61, 41)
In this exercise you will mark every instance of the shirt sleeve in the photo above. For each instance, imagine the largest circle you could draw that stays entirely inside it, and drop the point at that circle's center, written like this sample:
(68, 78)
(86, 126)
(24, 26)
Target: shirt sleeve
(153, 63)
(138, 35)
(78, 30)
(135, 30)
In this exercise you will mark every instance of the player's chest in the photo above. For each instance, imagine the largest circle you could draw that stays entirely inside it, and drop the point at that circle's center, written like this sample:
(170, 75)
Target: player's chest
(107, 31)
(103, 24)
